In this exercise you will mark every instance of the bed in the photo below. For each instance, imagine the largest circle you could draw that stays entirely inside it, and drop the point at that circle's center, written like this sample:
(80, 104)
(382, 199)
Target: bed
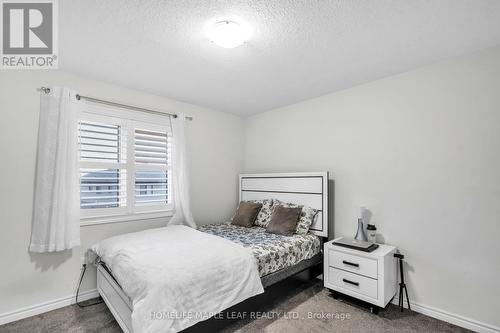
(273, 252)
(277, 257)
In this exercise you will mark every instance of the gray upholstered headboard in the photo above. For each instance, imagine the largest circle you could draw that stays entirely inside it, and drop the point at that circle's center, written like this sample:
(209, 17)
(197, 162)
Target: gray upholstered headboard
(306, 188)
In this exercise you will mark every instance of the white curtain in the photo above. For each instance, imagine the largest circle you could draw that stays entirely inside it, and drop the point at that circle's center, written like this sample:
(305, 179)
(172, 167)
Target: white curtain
(56, 220)
(180, 176)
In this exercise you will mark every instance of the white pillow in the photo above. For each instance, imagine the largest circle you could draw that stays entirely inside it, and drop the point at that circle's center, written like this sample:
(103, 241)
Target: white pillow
(265, 212)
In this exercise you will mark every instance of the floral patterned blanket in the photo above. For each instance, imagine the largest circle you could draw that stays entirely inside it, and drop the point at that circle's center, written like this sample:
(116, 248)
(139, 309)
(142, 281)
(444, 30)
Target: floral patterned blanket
(272, 252)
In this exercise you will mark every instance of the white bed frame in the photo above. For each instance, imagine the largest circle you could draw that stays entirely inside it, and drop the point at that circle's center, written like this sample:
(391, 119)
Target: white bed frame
(115, 298)
(307, 188)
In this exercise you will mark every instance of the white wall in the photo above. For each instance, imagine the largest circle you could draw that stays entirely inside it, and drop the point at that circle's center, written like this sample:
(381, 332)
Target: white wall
(215, 148)
(422, 151)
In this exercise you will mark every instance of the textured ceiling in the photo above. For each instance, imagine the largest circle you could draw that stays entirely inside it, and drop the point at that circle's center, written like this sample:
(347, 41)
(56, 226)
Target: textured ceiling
(299, 49)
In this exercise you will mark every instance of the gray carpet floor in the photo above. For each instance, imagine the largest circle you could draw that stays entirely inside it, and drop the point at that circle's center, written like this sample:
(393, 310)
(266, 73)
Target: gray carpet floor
(290, 306)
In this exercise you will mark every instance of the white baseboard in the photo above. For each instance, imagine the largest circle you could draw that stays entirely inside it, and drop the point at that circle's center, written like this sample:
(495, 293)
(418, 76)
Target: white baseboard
(451, 318)
(46, 307)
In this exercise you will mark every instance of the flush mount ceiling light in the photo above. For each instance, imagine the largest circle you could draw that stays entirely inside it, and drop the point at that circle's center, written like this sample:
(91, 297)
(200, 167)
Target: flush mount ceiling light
(227, 34)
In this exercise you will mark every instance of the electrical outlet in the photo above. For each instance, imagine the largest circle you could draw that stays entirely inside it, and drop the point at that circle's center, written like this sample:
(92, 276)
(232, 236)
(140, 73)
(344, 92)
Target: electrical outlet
(88, 258)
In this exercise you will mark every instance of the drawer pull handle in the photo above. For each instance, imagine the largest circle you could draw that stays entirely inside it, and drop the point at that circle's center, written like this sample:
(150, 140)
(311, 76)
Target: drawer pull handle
(350, 263)
(351, 282)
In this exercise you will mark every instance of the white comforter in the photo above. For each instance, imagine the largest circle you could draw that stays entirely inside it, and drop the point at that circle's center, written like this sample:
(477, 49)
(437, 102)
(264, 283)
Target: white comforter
(177, 276)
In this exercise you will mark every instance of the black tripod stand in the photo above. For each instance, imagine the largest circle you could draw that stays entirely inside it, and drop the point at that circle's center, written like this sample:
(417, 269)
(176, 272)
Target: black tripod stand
(402, 285)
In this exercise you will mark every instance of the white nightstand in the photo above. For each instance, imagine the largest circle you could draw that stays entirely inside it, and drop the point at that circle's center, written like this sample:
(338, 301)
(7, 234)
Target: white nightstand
(368, 276)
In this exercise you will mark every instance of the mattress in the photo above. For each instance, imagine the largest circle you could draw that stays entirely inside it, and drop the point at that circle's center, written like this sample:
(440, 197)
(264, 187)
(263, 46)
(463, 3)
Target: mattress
(271, 251)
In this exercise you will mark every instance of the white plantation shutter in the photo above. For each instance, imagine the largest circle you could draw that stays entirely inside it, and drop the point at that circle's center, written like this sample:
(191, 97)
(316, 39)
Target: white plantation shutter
(124, 166)
(152, 167)
(99, 141)
(102, 188)
(151, 147)
(102, 164)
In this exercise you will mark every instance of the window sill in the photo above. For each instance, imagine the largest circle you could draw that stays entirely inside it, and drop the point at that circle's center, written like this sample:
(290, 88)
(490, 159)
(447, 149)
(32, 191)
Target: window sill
(89, 221)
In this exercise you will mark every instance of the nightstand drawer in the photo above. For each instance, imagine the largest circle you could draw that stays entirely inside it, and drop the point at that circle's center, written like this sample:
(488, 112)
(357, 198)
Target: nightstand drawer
(353, 282)
(352, 263)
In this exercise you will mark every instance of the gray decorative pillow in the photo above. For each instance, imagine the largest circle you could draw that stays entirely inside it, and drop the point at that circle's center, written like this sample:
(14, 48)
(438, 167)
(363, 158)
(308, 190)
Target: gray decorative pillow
(265, 212)
(284, 220)
(306, 216)
(246, 214)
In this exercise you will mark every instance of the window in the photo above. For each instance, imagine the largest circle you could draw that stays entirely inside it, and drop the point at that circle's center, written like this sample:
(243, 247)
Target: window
(124, 164)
